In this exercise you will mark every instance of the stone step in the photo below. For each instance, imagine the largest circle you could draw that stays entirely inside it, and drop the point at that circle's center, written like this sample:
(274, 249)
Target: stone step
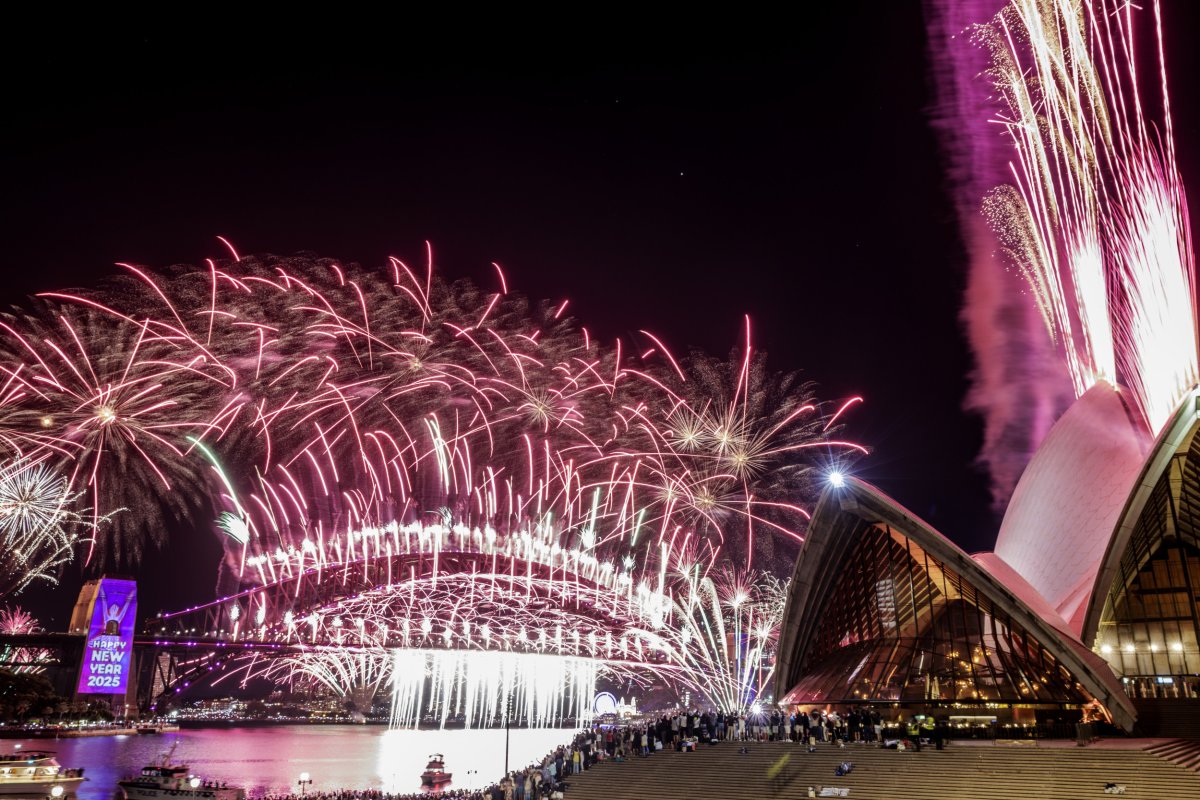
(1184, 752)
(984, 772)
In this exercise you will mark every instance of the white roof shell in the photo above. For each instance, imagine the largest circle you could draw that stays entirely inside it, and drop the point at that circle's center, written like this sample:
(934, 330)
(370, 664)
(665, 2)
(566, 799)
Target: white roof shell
(1069, 500)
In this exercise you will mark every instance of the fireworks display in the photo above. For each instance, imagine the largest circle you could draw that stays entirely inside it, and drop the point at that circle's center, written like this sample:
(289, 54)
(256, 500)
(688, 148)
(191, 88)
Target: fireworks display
(466, 497)
(1096, 219)
(319, 398)
(400, 465)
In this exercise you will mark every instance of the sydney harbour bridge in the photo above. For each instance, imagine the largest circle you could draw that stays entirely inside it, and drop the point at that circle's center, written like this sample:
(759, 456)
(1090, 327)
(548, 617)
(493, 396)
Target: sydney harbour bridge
(457, 623)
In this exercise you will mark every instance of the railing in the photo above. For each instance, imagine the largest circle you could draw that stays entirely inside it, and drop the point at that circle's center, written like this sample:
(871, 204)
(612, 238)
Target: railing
(1009, 732)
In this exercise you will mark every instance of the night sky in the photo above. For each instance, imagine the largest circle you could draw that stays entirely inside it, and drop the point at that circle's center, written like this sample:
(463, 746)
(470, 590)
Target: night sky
(672, 176)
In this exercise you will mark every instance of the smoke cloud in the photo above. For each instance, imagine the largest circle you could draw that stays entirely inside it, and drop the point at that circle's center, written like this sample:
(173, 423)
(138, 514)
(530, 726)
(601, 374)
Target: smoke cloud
(1019, 384)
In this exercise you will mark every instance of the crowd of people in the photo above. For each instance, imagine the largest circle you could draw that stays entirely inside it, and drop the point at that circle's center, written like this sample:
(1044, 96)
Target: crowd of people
(548, 778)
(857, 725)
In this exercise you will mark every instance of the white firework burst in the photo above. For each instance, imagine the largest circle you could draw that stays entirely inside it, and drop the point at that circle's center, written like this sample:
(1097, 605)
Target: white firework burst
(39, 528)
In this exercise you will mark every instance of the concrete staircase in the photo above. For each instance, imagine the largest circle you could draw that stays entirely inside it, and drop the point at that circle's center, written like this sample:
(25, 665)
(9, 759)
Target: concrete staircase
(1184, 752)
(971, 772)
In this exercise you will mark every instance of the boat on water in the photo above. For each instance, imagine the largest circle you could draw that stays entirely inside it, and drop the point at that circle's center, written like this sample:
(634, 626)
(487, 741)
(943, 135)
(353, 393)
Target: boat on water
(37, 772)
(435, 771)
(150, 728)
(164, 779)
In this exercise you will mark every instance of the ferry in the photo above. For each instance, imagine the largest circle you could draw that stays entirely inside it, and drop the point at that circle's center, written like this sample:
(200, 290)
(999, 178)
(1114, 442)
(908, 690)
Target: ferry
(164, 779)
(435, 772)
(37, 772)
(157, 727)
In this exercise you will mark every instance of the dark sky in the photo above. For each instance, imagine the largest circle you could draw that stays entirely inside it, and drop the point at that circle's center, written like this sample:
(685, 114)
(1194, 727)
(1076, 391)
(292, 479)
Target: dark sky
(670, 175)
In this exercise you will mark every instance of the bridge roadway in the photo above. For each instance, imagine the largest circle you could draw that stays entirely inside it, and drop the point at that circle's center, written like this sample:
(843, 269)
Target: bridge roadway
(161, 661)
(64, 643)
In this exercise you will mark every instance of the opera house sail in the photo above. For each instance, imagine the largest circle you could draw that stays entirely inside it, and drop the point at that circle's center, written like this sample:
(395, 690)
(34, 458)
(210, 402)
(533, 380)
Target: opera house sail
(1092, 593)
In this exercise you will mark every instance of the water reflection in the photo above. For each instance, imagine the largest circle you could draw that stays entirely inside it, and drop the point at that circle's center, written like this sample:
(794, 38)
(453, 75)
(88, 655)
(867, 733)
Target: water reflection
(269, 760)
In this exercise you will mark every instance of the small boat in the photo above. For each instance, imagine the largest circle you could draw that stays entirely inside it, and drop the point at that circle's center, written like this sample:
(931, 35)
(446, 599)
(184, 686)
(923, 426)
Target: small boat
(435, 772)
(37, 772)
(164, 779)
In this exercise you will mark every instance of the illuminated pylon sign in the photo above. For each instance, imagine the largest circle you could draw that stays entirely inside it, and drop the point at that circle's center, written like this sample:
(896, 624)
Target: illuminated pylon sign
(106, 611)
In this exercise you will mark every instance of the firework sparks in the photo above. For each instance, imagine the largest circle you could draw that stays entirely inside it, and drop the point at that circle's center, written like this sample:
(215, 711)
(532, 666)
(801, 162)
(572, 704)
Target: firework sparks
(1097, 221)
(723, 634)
(325, 398)
(39, 528)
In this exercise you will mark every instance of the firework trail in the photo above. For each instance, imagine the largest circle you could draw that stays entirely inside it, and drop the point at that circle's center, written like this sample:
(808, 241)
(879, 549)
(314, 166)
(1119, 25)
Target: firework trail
(1087, 209)
(317, 399)
(1096, 222)
(106, 400)
(723, 633)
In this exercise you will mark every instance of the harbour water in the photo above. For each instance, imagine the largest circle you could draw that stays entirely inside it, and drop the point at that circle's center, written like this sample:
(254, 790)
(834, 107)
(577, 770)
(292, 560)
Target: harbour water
(269, 760)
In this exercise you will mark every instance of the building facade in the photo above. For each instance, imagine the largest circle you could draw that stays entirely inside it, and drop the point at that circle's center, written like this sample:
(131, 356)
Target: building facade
(1091, 597)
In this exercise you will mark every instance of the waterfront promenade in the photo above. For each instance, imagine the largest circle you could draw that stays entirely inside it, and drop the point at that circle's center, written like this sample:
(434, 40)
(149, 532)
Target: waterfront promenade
(968, 770)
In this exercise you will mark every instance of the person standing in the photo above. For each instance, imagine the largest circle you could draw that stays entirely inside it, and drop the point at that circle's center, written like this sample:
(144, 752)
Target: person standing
(914, 732)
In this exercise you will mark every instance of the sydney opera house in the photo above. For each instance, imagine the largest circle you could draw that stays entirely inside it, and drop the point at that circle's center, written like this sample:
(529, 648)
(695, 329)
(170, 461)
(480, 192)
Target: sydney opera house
(1091, 597)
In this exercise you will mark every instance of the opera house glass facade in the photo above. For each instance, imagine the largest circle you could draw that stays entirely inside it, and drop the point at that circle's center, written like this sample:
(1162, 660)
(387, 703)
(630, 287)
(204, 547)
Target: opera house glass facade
(907, 627)
(1151, 613)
